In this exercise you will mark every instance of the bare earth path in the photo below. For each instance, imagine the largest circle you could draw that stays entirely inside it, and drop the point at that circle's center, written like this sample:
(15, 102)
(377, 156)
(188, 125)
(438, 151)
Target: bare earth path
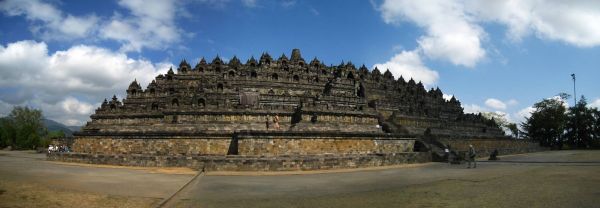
(26, 175)
(546, 179)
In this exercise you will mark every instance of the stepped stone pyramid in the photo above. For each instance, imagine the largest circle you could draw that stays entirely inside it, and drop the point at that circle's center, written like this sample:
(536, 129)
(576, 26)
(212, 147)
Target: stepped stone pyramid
(221, 108)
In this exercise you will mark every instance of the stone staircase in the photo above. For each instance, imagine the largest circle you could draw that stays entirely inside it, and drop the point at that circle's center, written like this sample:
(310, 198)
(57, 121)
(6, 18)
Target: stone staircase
(439, 155)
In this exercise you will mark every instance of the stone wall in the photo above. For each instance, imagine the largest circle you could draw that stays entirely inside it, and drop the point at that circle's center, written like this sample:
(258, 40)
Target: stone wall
(202, 116)
(418, 125)
(248, 163)
(271, 146)
(170, 146)
(270, 152)
(484, 147)
(250, 145)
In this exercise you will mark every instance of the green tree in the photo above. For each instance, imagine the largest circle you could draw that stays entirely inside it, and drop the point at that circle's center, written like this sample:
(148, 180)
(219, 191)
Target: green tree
(56, 134)
(513, 129)
(596, 128)
(28, 127)
(547, 123)
(580, 125)
(7, 132)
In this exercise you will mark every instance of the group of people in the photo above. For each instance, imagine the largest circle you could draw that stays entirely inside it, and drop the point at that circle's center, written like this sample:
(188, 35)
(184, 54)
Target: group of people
(275, 122)
(58, 148)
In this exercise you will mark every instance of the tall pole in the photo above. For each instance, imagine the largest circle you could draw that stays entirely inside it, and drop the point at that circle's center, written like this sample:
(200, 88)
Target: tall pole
(576, 111)
(574, 90)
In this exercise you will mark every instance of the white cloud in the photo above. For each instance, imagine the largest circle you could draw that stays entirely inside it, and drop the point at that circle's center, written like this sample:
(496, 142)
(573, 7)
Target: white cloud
(215, 4)
(499, 116)
(5, 108)
(595, 103)
(151, 25)
(73, 106)
(450, 33)
(249, 3)
(453, 30)
(447, 97)
(288, 3)
(525, 112)
(495, 104)
(409, 65)
(569, 21)
(49, 22)
(314, 11)
(472, 108)
(60, 83)
(147, 24)
(560, 99)
(70, 111)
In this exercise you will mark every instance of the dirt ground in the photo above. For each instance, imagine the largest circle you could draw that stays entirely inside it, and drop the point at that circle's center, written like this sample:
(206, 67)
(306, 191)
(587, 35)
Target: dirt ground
(540, 187)
(545, 179)
(23, 194)
(28, 180)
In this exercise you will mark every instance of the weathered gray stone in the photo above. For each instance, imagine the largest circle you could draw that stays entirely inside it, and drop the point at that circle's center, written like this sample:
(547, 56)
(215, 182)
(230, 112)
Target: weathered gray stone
(197, 116)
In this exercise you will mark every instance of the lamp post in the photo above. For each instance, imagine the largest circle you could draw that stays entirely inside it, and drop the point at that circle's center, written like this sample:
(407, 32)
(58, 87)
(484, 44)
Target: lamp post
(576, 110)
(574, 90)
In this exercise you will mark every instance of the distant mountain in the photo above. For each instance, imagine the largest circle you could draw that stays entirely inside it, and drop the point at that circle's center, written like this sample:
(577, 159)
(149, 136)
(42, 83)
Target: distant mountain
(52, 125)
(74, 128)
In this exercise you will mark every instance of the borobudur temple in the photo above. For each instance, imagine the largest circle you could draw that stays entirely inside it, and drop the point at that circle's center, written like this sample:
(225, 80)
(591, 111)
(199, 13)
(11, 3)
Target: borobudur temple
(279, 114)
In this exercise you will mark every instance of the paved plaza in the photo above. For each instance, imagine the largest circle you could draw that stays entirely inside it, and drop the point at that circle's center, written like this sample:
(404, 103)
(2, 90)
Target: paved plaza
(544, 179)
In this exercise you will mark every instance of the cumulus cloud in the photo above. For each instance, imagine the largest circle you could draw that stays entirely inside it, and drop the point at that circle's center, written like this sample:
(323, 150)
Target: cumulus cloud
(453, 31)
(69, 111)
(450, 33)
(447, 97)
(574, 25)
(473, 108)
(500, 108)
(495, 104)
(595, 103)
(147, 24)
(49, 22)
(68, 82)
(151, 24)
(525, 112)
(409, 65)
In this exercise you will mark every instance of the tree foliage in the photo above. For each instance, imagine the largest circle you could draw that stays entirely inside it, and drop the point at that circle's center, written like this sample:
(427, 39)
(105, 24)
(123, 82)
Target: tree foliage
(56, 134)
(596, 128)
(514, 130)
(547, 123)
(581, 125)
(22, 129)
(553, 125)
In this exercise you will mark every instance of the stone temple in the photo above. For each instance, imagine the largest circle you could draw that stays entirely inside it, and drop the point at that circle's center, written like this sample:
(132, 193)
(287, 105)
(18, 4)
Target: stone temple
(222, 116)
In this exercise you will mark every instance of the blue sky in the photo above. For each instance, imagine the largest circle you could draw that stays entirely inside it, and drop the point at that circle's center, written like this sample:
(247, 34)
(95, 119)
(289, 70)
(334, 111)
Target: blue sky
(65, 57)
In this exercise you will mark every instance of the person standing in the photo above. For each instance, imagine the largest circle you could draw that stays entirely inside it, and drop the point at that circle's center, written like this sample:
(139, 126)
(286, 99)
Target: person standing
(447, 154)
(276, 121)
(471, 155)
(267, 122)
